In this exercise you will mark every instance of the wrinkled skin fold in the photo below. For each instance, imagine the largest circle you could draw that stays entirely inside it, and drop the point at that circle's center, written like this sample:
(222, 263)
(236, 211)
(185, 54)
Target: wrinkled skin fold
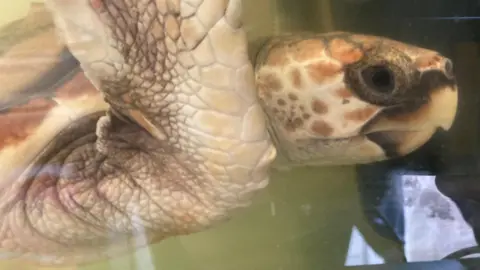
(183, 141)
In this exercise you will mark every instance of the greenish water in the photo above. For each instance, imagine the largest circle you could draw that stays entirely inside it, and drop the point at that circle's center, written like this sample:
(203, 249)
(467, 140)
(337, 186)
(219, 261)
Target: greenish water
(303, 220)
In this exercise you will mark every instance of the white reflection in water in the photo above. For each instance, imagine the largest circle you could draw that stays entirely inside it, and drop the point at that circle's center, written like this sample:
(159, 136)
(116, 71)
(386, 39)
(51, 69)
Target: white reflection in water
(143, 257)
(434, 226)
(359, 252)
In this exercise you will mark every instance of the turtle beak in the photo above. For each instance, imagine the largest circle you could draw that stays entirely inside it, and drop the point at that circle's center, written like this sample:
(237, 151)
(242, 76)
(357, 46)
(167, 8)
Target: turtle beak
(399, 132)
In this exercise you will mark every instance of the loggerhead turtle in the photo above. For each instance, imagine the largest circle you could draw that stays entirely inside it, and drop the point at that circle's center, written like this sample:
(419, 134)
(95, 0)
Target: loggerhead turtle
(177, 135)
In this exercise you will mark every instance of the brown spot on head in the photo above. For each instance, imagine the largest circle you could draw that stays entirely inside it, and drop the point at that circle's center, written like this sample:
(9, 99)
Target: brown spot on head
(277, 56)
(292, 96)
(428, 61)
(344, 51)
(268, 82)
(281, 102)
(343, 93)
(293, 124)
(319, 106)
(360, 115)
(327, 67)
(22, 120)
(298, 122)
(296, 78)
(322, 128)
(320, 72)
(307, 49)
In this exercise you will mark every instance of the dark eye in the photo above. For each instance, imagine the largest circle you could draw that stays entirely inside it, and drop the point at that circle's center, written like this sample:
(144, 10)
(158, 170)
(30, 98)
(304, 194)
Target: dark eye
(449, 68)
(379, 78)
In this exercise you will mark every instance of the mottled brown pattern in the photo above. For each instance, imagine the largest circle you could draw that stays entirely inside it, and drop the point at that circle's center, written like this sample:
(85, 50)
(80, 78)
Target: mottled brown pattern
(321, 72)
(319, 107)
(79, 85)
(360, 115)
(19, 122)
(292, 96)
(344, 52)
(322, 128)
(281, 102)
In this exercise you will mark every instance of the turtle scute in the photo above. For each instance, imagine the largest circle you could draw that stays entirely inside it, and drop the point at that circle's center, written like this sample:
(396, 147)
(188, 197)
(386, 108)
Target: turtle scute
(175, 141)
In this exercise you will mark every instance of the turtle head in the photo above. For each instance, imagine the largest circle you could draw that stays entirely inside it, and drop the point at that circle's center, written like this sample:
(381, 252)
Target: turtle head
(341, 98)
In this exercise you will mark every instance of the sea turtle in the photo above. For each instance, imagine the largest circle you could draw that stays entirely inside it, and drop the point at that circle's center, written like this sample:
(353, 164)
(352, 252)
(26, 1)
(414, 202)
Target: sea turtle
(178, 134)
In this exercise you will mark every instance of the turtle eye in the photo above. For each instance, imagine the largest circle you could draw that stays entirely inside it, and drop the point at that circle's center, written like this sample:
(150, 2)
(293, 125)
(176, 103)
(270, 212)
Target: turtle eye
(382, 77)
(379, 79)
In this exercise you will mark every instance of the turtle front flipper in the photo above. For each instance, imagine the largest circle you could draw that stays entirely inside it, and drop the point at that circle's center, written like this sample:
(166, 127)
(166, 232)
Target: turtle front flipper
(184, 140)
(42, 89)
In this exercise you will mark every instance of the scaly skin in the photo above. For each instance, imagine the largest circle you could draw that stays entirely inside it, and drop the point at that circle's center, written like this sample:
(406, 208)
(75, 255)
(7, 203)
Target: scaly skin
(184, 140)
(183, 143)
(321, 112)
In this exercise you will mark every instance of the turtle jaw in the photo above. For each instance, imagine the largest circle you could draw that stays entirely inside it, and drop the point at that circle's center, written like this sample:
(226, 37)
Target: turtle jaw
(400, 143)
(402, 133)
(386, 136)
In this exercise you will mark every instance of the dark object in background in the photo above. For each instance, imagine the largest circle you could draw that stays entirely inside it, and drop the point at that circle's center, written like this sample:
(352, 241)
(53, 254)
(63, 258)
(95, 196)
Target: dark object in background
(453, 157)
(461, 182)
(456, 177)
(381, 192)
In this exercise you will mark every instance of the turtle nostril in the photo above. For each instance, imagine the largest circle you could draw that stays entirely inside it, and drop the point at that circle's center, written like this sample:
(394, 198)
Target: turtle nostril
(449, 68)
